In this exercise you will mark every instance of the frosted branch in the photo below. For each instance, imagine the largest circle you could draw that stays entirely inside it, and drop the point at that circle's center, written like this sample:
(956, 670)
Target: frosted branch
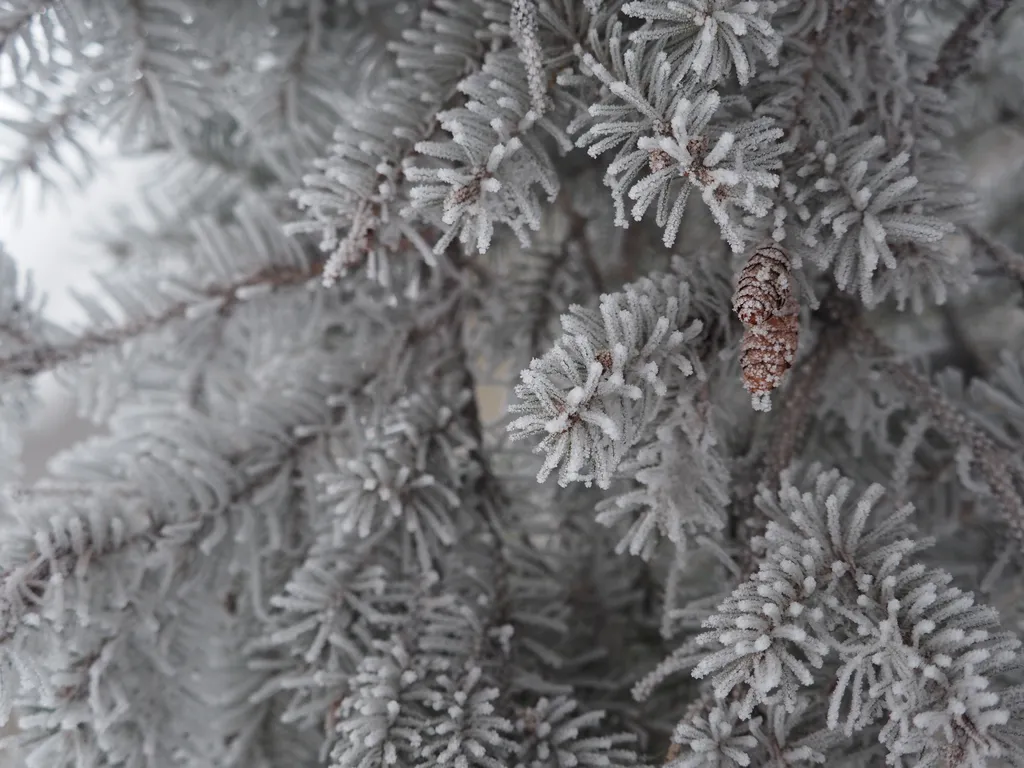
(1011, 262)
(597, 391)
(956, 56)
(221, 299)
(997, 467)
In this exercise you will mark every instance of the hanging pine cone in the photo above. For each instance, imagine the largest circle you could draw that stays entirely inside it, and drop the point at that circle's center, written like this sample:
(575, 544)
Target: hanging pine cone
(766, 353)
(765, 304)
(764, 285)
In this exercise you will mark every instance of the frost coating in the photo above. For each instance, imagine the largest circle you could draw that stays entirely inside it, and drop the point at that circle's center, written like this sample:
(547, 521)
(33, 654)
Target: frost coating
(594, 393)
(300, 534)
(838, 581)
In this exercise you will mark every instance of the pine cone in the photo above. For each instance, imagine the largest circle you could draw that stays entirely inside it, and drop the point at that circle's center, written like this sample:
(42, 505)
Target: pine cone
(764, 285)
(767, 352)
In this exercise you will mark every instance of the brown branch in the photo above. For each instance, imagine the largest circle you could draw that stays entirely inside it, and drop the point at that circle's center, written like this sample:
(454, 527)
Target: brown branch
(43, 358)
(956, 56)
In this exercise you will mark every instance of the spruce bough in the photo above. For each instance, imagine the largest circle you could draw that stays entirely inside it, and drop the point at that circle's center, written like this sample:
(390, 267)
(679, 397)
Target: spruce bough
(758, 496)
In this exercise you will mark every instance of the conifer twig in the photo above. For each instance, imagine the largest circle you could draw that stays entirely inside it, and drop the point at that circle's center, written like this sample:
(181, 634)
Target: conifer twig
(42, 358)
(956, 56)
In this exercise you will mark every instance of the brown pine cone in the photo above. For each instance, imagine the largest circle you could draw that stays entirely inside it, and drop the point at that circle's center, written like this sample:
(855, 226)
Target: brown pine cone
(766, 353)
(764, 285)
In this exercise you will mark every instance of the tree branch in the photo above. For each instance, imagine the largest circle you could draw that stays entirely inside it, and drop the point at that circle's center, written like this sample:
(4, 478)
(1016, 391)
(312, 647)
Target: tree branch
(1004, 480)
(1011, 262)
(42, 358)
(956, 56)
(24, 587)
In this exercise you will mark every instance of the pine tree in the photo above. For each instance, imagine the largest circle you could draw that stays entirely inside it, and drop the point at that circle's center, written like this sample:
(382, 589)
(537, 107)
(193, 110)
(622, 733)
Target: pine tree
(728, 261)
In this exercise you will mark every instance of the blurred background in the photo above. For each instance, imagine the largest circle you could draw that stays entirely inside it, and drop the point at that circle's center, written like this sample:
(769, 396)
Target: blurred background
(55, 236)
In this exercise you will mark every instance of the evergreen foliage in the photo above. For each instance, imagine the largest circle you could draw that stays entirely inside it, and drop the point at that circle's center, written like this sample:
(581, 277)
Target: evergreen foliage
(732, 249)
